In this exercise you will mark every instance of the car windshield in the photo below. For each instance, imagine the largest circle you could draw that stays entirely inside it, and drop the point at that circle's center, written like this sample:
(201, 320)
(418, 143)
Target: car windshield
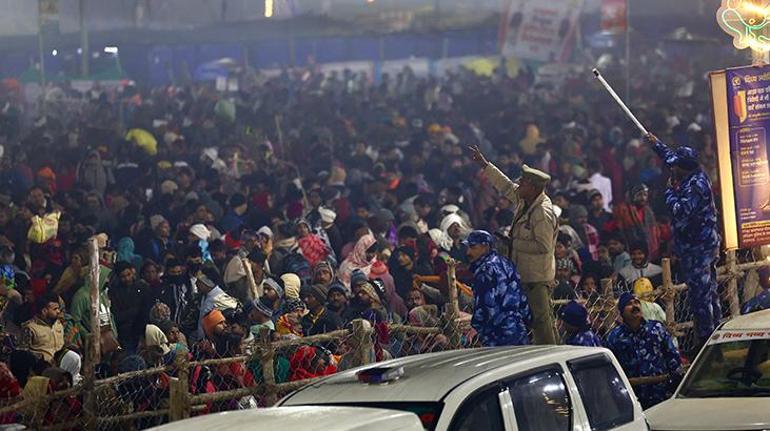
(426, 411)
(732, 369)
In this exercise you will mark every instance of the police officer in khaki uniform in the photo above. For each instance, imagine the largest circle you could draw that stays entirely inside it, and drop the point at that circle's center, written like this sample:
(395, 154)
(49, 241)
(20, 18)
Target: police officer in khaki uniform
(533, 239)
(44, 333)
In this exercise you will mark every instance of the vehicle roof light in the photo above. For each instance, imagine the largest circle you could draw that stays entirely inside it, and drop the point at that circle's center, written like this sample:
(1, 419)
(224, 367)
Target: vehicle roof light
(379, 375)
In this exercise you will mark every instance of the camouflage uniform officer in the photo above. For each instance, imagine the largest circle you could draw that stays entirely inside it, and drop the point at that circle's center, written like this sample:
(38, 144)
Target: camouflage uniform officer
(532, 239)
(690, 200)
(500, 309)
(644, 348)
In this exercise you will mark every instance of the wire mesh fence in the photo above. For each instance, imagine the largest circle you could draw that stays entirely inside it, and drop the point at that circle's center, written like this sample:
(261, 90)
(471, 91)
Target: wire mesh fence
(157, 387)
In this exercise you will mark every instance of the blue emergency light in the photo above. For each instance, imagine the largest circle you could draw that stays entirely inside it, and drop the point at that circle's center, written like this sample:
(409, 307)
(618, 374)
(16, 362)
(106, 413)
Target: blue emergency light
(378, 375)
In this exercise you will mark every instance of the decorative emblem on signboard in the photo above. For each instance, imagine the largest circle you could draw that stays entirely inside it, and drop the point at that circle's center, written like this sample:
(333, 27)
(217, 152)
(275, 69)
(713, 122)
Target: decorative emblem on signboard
(747, 21)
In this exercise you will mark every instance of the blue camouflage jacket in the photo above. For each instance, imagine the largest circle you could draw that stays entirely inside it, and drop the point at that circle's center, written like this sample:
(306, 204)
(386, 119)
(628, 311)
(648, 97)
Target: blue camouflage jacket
(500, 308)
(649, 351)
(757, 303)
(694, 215)
(585, 338)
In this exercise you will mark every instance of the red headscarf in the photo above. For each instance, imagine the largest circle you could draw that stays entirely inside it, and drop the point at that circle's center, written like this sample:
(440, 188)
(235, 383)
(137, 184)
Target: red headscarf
(303, 366)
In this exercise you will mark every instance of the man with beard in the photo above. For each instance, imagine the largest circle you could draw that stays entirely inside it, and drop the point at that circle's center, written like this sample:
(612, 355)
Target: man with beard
(644, 348)
(636, 220)
(319, 320)
(212, 296)
(273, 293)
(337, 300)
(126, 296)
(640, 266)
(369, 304)
(44, 333)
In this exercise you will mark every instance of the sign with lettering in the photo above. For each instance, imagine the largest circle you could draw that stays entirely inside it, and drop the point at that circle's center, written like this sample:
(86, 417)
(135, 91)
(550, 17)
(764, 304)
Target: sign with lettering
(720, 337)
(748, 107)
(539, 30)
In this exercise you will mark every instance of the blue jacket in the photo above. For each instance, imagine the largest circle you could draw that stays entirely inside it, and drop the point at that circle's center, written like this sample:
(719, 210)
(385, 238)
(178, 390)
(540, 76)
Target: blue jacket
(694, 215)
(501, 311)
(757, 303)
(649, 351)
(585, 338)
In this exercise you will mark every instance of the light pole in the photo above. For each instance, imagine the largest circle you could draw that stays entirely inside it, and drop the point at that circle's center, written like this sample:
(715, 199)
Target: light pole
(85, 56)
(628, 51)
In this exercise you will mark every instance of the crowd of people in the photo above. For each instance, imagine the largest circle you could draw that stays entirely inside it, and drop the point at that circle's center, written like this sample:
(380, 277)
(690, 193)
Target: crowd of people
(304, 202)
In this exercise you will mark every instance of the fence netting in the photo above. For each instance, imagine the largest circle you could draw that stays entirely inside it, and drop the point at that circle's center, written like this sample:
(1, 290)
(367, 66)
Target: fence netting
(140, 391)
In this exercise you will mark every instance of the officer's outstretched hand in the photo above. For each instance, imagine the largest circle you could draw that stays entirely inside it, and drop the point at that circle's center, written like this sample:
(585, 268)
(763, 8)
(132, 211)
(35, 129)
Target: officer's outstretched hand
(477, 156)
(650, 138)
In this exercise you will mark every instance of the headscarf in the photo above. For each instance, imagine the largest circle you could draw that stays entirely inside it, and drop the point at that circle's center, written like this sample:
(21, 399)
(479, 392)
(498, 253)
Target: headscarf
(72, 362)
(91, 172)
(451, 219)
(368, 288)
(160, 312)
(125, 252)
(156, 220)
(153, 336)
(210, 321)
(357, 259)
(441, 239)
(304, 364)
(291, 285)
(321, 265)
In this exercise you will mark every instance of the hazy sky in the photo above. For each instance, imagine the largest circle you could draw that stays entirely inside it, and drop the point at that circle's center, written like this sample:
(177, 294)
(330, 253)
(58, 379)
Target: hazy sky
(20, 16)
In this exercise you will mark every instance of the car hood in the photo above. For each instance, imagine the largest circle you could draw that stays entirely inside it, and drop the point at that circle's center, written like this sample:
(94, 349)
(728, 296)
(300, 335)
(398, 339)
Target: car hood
(709, 414)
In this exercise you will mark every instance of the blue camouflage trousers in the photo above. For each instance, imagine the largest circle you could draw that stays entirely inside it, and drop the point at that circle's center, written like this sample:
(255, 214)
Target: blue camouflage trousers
(698, 269)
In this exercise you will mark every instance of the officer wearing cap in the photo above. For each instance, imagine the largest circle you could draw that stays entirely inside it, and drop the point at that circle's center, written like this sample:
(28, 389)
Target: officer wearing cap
(532, 239)
(500, 309)
(690, 199)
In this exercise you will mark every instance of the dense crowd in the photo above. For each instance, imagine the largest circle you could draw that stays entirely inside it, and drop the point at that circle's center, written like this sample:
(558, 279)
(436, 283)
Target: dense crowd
(305, 201)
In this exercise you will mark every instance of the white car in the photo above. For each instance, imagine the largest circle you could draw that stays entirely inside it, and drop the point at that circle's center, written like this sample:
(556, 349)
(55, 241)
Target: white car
(309, 418)
(533, 388)
(728, 385)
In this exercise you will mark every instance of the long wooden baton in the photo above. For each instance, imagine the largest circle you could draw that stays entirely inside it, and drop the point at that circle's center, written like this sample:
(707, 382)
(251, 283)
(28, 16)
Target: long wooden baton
(617, 98)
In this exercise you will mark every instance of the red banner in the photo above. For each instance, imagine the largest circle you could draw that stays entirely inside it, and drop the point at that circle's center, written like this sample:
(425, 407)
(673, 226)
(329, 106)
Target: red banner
(614, 16)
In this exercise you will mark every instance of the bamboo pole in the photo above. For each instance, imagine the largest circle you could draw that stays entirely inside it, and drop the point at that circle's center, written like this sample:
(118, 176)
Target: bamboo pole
(732, 285)
(363, 341)
(416, 330)
(669, 294)
(131, 374)
(267, 357)
(254, 289)
(93, 351)
(179, 403)
(451, 275)
(132, 416)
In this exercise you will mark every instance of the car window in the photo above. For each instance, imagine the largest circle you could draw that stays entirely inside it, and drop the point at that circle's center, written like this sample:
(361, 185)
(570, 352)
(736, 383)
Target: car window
(541, 401)
(605, 397)
(480, 412)
(730, 369)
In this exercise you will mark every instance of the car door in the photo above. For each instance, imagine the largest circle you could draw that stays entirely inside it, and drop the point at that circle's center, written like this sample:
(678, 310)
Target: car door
(482, 410)
(608, 402)
(541, 400)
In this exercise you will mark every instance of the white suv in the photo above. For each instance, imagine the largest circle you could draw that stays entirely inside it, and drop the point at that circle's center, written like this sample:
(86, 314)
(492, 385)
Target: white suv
(728, 385)
(533, 388)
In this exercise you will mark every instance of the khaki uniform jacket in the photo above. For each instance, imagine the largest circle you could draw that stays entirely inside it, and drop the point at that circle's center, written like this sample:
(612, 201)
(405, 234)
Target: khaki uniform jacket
(533, 233)
(40, 338)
